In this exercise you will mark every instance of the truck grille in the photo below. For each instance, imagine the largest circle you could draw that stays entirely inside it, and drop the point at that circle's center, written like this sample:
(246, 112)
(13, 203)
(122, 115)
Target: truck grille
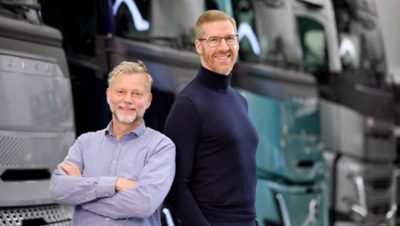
(36, 215)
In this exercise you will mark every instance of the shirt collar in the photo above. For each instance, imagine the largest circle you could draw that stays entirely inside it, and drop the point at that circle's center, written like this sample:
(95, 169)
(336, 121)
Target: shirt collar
(137, 131)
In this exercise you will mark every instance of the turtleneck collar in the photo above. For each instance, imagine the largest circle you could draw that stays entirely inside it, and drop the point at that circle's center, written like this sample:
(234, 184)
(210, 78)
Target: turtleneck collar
(213, 79)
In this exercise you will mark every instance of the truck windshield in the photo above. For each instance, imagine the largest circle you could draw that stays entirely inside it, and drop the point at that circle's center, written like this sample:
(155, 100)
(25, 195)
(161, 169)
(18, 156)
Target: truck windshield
(132, 19)
(314, 48)
(21, 10)
(360, 41)
(267, 33)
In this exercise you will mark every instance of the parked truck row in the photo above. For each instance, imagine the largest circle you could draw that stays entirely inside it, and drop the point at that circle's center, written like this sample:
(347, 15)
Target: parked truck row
(313, 72)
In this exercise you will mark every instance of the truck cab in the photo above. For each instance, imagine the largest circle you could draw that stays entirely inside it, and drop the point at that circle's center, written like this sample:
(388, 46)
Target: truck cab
(36, 115)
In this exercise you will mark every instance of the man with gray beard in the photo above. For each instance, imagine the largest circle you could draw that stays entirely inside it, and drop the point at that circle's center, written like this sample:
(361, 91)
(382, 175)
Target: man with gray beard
(119, 175)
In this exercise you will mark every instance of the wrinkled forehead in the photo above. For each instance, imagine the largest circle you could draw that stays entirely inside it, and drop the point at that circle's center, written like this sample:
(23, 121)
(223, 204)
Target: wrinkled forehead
(132, 78)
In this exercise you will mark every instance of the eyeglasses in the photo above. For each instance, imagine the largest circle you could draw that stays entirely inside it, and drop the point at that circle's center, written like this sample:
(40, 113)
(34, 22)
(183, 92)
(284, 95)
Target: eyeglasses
(215, 40)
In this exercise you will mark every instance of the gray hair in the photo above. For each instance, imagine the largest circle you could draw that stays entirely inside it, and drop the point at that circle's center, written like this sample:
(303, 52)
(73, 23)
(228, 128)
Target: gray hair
(131, 67)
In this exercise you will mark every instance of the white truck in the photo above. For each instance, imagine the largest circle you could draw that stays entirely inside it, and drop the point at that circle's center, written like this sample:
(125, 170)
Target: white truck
(36, 115)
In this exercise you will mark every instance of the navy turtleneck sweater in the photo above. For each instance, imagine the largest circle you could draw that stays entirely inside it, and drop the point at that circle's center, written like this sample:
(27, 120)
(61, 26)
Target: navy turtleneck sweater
(216, 169)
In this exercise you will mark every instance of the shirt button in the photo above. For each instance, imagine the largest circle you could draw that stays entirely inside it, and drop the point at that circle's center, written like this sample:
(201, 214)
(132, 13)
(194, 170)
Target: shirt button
(107, 219)
(114, 161)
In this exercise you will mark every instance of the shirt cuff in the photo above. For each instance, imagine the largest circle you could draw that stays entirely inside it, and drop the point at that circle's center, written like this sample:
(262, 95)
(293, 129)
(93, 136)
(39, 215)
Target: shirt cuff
(105, 187)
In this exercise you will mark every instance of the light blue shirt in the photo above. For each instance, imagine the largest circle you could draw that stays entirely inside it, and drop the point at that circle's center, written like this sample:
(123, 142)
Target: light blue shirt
(143, 155)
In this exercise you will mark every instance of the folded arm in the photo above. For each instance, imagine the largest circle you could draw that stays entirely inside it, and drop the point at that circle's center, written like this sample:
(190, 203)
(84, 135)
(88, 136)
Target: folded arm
(68, 186)
(149, 191)
(74, 189)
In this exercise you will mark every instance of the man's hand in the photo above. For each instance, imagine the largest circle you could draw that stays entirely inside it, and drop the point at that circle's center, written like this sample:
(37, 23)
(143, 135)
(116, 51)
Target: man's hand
(70, 169)
(123, 184)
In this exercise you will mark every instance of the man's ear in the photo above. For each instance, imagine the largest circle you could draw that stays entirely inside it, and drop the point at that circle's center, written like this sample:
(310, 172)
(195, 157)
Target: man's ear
(199, 48)
(149, 100)
(108, 94)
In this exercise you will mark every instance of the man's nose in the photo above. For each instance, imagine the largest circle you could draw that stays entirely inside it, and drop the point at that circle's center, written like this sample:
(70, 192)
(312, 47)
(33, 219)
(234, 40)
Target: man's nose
(128, 98)
(223, 44)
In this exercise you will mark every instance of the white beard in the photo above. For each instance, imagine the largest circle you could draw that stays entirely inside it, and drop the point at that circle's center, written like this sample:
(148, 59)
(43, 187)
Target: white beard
(125, 118)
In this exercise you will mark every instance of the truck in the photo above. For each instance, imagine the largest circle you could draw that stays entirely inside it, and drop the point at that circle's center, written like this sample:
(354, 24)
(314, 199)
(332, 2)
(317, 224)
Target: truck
(343, 49)
(36, 115)
(284, 105)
